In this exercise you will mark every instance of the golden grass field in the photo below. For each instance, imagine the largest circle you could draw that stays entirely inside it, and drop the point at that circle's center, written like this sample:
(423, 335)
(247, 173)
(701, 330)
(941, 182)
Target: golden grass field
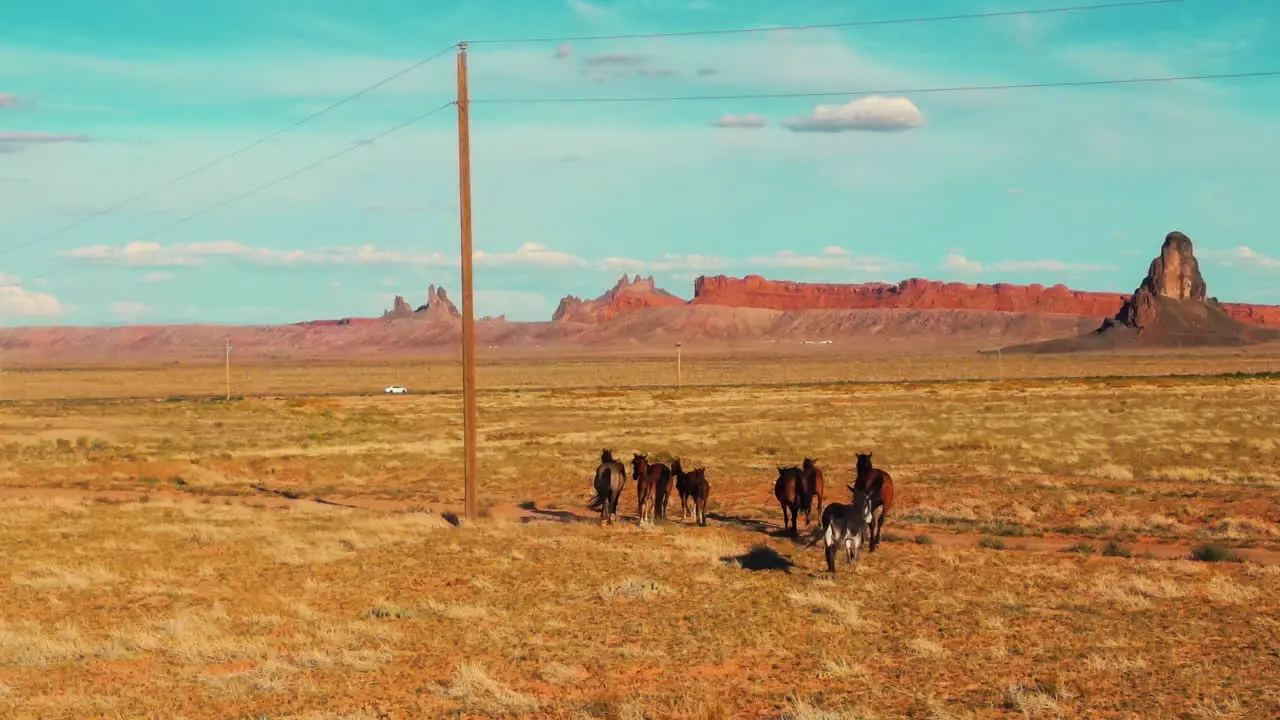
(1037, 563)
(761, 363)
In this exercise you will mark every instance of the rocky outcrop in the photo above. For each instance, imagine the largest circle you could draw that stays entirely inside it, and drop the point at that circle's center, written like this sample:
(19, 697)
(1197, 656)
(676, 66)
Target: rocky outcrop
(756, 291)
(627, 295)
(1174, 274)
(1170, 309)
(400, 309)
(438, 307)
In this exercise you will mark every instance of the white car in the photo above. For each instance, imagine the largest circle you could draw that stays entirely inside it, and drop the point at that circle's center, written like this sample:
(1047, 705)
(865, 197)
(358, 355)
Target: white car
(395, 390)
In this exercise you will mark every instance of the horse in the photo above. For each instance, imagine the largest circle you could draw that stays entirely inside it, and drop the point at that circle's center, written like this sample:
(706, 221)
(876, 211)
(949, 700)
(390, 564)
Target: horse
(813, 487)
(843, 526)
(648, 479)
(663, 488)
(878, 486)
(692, 485)
(699, 490)
(788, 489)
(611, 478)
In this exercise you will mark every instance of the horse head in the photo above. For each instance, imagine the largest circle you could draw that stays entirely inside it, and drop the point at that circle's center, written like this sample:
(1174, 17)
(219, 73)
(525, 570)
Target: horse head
(809, 463)
(864, 462)
(639, 464)
(606, 456)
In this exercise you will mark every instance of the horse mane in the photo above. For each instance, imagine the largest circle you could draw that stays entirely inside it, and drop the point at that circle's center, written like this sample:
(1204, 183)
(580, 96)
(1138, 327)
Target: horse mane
(606, 456)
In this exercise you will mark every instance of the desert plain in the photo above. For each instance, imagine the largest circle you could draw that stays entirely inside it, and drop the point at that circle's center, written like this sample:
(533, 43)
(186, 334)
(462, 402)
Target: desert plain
(1085, 536)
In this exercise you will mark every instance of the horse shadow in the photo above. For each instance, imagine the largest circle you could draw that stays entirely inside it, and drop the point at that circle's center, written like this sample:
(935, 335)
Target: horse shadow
(760, 526)
(564, 516)
(760, 558)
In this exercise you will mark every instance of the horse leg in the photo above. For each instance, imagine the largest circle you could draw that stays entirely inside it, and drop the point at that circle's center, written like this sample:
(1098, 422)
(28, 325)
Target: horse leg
(877, 523)
(700, 506)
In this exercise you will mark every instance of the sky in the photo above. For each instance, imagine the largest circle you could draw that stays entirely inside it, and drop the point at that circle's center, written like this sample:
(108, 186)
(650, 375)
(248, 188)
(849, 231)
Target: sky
(99, 105)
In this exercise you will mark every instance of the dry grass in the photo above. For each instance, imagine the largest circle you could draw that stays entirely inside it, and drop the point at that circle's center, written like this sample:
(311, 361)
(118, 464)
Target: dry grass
(749, 363)
(243, 605)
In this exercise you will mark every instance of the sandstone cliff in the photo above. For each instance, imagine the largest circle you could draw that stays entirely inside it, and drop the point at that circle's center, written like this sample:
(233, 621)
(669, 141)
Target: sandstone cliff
(756, 291)
(626, 296)
(1170, 308)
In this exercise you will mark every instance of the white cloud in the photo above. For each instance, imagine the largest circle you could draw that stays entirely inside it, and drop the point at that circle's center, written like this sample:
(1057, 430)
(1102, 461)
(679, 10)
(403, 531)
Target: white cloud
(877, 113)
(832, 257)
(17, 301)
(741, 121)
(614, 59)
(563, 50)
(9, 136)
(586, 9)
(129, 310)
(1243, 255)
(158, 277)
(961, 264)
(8, 100)
(1047, 266)
(665, 262)
(957, 262)
(151, 254)
(530, 253)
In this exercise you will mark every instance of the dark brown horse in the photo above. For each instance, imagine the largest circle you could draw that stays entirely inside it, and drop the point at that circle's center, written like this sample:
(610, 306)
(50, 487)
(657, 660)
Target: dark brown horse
(692, 485)
(787, 488)
(812, 488)
(878, 486)
(611, 478)
(648, 479)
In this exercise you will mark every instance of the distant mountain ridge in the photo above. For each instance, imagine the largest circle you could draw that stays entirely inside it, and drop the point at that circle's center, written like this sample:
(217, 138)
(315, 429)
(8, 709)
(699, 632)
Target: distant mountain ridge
(635, 312)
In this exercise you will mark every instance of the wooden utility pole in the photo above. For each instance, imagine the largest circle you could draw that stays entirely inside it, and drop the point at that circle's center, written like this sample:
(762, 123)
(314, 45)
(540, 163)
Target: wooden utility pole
(226, 365)
(679, 377)
(468, 308)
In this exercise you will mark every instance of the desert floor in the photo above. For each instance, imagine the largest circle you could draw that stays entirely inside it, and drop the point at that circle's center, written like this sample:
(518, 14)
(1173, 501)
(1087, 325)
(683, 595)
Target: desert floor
(1074, 547)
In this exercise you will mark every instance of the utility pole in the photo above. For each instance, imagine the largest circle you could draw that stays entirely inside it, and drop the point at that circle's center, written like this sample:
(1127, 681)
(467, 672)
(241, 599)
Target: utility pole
(679, 377)
(468, 308)
(226, 365)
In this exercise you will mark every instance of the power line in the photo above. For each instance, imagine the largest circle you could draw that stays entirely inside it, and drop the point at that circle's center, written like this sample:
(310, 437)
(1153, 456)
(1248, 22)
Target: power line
(855, 93)
(217, 161)
(293, 174)
(829, 26)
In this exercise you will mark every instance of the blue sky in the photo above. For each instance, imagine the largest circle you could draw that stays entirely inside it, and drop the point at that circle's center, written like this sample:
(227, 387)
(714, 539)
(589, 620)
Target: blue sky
(1050, 185)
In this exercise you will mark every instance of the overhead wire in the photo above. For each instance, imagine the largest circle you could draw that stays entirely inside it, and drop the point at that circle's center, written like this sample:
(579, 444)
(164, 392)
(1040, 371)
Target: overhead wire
(825, 26)
(419, 63)
(223, 158)
(889, 91)
(289, 176)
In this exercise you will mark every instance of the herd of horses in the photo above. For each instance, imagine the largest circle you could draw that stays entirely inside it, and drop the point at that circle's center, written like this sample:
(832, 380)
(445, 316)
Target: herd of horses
(653, 488)
(842, 525)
